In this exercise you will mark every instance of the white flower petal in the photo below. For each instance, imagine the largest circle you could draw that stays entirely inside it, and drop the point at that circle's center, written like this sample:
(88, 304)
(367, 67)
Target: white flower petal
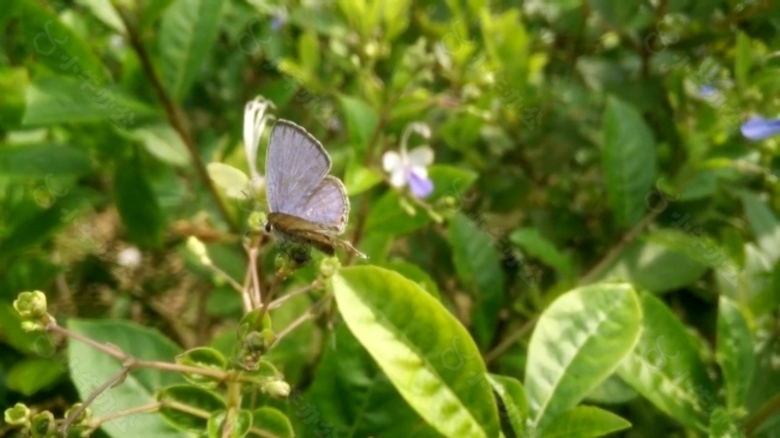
(391, 161)
(421, 171)
(398, 177)
(421, 156)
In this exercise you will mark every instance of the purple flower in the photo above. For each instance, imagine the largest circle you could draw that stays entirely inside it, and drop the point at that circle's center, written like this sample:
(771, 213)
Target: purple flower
(759, 128)
(707, 90)
(411, 167)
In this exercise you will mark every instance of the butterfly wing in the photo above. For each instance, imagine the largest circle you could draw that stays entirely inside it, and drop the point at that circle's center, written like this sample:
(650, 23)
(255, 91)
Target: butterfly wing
(296, 164)
(327, 205)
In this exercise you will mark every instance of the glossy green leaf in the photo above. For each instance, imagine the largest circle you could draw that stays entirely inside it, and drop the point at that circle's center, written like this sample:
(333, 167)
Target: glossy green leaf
(59, 99)
(137, 204)
(39, 160)
(764, 223)
(612, 391)
(240, 424)
(515, 403)
(432, 369)
(89, 368)
(584, 422)
(538, 246)
(187, 33)
(577, 343)
(666, 369)
(735, 353)
(30, 376)
(57, 46)
(361, 120)
(479, 270)
(700, 248)
(163, 143)
(189, 408)
(272, 423)
(202, 357)
(629, 161)
(389, 217)
(13, 82)
(351, 394)
(415, 273)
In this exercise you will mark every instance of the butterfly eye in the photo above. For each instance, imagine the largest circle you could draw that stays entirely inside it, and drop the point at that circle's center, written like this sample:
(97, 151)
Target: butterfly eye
(268, 227)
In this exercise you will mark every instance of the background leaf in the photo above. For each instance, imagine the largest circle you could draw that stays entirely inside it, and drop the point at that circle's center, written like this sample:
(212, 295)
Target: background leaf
(629, 161)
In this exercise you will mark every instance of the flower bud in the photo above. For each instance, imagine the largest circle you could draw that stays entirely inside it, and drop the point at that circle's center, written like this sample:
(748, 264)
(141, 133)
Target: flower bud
(257, 220)
(19, 415)
(43, 424)
(198, 249)
(31, 305)
(277, 388)
(83, 417)
(329, 266)
(33, 326)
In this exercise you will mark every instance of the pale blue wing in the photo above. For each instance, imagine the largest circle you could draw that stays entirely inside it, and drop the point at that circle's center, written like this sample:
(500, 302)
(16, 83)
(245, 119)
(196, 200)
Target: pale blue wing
(327, 205)
(296, 164)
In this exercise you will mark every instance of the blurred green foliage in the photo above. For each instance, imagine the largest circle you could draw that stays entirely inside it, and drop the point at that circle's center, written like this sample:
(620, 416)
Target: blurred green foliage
(601, 248)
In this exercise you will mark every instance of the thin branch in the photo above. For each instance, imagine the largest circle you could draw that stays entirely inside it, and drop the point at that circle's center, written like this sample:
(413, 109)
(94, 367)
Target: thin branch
(118, 377)
(309, 314)
(767, 410)
(618, 249)
(257, 294)
(279, 301)
(509, 341)
(174, 114)
(95, 423)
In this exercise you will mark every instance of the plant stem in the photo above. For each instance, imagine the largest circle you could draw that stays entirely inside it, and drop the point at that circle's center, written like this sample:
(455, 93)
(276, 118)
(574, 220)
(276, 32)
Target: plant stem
(95, 423)
(510, 340)
(766, 411)
(174, 115)
(118, 377)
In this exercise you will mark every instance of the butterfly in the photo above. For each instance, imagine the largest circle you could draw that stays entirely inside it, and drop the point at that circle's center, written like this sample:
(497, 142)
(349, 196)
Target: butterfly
(308, 207)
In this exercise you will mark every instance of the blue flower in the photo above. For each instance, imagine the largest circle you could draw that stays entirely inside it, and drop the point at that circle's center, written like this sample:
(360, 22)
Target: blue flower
(411, 167)
(707, 90)
(759, 128)
(278, 21)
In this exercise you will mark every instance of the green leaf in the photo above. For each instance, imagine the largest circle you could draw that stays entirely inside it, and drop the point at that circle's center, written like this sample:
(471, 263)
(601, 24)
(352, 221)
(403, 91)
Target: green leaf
(479, 269)
(309, 52)
(105, 12)
(450, 181)
(24, 342)
(641, 262)
(137, 204)
(743, 60)
(240, 424)
(612, 391)
(187, 33)
(538, 246)
(701, 249)
(735, 353)
(151, 10)
(202, 357)
(89, 368)
(723, 426)
(415, 273)
(30, 376)
(578, 342)
(361, 121)
(358, 178)
(13, 82)
(388, 216)
(764, 223)
(512, 394)
(352, 394)
(629, 161)
(584, 422)
(39, 160)
(163, 143)
(434, 370)
(272, 422)
(189, 408)
(57, 46)
(666, 369)
(58, 99)
(233, 181)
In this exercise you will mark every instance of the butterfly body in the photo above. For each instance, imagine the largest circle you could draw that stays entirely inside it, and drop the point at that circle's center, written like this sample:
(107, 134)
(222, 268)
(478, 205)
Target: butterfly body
(307, 206)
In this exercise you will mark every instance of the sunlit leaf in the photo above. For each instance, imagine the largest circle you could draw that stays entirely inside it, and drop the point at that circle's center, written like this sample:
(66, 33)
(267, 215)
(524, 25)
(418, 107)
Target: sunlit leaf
(735, 353)
(584, 422)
